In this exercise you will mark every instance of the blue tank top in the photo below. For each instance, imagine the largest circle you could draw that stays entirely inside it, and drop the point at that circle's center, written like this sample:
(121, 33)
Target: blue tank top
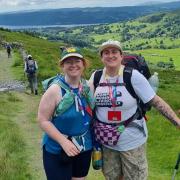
(70, 123)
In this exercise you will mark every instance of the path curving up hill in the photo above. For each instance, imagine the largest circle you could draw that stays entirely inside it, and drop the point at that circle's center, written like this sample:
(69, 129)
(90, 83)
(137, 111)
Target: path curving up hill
(25, 118)
(7, 82)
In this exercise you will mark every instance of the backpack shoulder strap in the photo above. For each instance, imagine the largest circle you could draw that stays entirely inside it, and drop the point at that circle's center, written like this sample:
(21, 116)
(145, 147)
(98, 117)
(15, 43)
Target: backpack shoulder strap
(27, 64)
(97, 77)
(54, 80)
(59, 81)
(127, 74)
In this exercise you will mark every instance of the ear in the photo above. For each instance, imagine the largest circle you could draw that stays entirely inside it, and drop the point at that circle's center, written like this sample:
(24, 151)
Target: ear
(60, 64)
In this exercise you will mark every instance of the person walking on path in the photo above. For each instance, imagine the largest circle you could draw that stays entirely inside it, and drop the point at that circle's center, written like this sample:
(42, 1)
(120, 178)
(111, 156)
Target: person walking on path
(8, 49)
(64, 114)
(31, 67)
(123, 144)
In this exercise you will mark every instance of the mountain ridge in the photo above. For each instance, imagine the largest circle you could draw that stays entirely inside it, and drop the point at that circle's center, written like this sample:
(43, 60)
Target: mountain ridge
(96, 15)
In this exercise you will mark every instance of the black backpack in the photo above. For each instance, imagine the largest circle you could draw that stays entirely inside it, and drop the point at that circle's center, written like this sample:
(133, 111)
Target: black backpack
(131, 62)
(137, 62)
(8, 48)
(31, 67)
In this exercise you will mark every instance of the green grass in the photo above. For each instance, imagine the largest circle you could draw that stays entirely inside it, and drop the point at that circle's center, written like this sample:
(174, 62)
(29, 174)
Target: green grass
(159, 47)
(156, 55)
(46, 54)
(163, 142)
(18, 66)
(13, 154)
(163, 147)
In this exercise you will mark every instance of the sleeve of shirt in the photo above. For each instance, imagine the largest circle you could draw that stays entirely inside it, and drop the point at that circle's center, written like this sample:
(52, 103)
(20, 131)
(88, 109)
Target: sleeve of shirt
(90, 82)
(142, 87)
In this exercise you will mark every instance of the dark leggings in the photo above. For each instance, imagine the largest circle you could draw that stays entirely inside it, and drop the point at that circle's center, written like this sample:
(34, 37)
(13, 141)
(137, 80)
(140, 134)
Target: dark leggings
(57, 170)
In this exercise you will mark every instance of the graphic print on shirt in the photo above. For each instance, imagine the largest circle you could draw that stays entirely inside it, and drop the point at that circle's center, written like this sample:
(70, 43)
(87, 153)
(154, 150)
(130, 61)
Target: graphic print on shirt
(104, 100)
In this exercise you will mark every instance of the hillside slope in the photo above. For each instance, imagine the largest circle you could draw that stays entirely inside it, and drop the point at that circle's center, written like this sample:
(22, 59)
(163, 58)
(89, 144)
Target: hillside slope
(156, 36)
(46, 53)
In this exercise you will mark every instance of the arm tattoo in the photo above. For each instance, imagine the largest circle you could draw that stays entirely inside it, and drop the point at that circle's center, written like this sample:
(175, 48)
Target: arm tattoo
(164, 109)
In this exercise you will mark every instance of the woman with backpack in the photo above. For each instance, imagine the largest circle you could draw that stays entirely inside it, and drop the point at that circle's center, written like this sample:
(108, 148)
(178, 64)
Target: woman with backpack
(30, 68)
(64, 114)
(119, 125)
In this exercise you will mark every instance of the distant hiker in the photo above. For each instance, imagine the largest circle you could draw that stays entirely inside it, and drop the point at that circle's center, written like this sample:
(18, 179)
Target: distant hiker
(30, 67)
(65, 114)
(8, 49)
(120, 126)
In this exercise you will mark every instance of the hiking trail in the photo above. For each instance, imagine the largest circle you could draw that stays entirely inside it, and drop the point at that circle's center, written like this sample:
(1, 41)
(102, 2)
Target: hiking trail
(25, 118)
(7, 82)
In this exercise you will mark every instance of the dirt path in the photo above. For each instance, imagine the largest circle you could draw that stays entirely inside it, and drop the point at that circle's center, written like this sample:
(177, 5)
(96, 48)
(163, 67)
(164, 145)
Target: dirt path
(7, 81)
(5, 64)
(26, 120)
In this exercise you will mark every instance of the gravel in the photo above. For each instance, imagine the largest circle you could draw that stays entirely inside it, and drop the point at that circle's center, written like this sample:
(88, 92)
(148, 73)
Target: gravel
(12, 85)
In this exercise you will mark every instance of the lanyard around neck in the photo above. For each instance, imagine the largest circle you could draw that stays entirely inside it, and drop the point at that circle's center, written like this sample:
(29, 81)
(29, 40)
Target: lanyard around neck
(113, 93)
(113, 89)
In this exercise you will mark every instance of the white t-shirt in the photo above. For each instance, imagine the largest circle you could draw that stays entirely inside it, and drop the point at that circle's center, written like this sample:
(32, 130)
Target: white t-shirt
(131, 137)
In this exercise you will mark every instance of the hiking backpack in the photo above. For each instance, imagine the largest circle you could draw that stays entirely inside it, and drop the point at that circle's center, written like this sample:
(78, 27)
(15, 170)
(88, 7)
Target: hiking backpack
(68, 96)
(8, 48)
(31, 67)
(130, 62)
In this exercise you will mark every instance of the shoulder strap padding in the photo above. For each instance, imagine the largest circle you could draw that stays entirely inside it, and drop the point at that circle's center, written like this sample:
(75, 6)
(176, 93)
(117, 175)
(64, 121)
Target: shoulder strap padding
(54, 80)
(62, 84)
(127, 73)
(97, 77)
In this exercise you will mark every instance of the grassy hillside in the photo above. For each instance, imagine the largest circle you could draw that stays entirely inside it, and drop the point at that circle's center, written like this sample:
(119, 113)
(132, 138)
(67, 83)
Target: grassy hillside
(156, 36)
(163, 142)
(157, 30)
(46, 53)
(20, 153)
(161, 55)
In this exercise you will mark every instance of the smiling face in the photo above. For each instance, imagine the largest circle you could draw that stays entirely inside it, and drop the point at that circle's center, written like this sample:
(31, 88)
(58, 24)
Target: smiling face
(73, 66)
(111, 57)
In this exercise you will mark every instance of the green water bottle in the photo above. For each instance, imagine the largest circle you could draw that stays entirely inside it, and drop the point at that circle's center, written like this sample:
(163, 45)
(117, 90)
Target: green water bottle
(97, 158)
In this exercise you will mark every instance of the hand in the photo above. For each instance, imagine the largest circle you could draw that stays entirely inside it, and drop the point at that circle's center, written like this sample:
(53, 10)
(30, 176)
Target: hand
(70, 148)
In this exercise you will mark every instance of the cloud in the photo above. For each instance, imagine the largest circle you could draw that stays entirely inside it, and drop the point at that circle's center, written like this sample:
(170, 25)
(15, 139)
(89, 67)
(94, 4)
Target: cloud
(9, 5)
(17, 3)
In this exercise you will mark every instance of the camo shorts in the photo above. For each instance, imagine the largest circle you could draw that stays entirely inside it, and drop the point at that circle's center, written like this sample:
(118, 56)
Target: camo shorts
(132, 164)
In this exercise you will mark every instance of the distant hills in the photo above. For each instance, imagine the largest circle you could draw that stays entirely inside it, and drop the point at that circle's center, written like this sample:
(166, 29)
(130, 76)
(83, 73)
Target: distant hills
(69, 16)
(157, 30)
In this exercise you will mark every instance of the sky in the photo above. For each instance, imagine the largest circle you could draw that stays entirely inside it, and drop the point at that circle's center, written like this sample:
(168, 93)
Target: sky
(21, 5)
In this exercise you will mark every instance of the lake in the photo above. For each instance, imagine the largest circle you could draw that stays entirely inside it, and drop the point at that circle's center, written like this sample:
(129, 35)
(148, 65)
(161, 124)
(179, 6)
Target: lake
(44, 26)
